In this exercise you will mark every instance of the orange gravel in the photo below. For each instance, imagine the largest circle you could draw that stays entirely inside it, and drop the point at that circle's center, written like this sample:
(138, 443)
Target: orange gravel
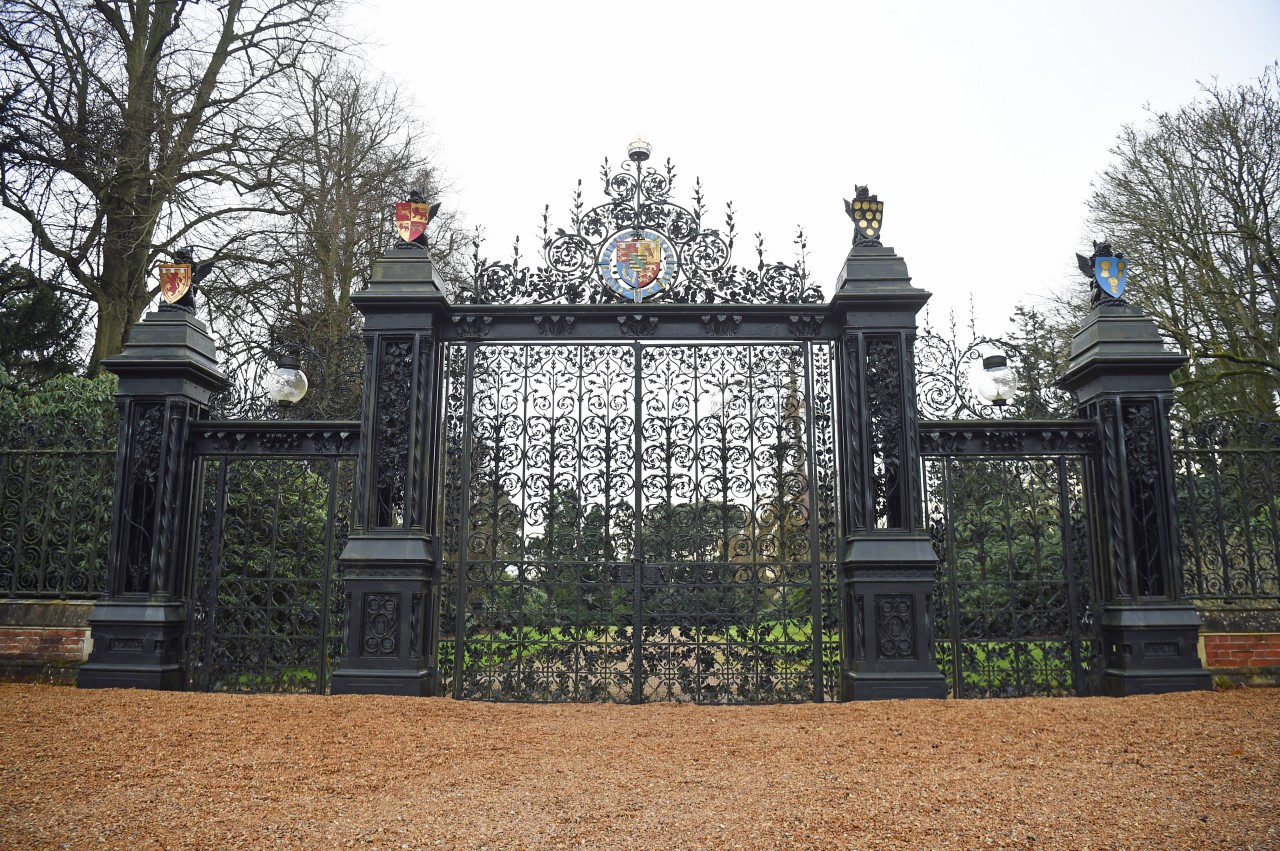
(137, 770)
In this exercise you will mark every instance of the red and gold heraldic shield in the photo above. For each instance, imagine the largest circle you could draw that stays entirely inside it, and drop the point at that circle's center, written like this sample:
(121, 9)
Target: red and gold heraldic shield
(411, 219)
(639, 261)
(175, 281)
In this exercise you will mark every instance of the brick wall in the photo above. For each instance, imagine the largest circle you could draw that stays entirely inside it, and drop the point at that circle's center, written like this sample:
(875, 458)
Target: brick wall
(1234, 650)
(43, 640)
(43, 643)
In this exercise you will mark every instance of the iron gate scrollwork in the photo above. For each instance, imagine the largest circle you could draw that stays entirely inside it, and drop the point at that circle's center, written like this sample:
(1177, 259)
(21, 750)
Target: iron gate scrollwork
(1016, 611)
(639, 521)
(266, 613)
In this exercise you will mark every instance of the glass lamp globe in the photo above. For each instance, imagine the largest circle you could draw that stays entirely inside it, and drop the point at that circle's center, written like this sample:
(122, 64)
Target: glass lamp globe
(287, 384)
(996, 383)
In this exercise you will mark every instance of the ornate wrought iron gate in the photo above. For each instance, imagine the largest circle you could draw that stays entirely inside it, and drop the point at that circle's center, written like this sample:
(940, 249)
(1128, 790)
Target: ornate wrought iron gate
(1005, 502)
(560, 495)
(636, 522)
(266, 611)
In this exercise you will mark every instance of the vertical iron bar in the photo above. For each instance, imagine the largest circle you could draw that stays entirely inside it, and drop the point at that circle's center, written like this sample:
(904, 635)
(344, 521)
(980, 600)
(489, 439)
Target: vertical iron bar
(1071, 577)
(1246, 524)
(637, 547)
(215, 574)
(464, 524)
(815, 567)
(326, 585)
(1191, 532)
(1270, 500)
(953, 578)
(1224, 558)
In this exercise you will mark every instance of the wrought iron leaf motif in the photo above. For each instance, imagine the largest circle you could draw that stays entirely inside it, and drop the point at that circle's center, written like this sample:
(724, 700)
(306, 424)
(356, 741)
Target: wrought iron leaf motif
(1002, 441)
(140, 495)
(473, 326)
(283, 442)
(805, 326)
(638, 196)
(721, 324)
(637, 326)
(554, 326)
(884, 408)
(1142, 463)
(395, 372)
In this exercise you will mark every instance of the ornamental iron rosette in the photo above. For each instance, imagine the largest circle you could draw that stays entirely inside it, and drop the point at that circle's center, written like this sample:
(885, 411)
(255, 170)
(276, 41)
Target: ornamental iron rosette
(639, 245)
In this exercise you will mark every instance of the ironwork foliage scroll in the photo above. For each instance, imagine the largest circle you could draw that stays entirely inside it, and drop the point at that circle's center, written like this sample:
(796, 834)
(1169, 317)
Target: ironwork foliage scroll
(638, 197)
(945, 363)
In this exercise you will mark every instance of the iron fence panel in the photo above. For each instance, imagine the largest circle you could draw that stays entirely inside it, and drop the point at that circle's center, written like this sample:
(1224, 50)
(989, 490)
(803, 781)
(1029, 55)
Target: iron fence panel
(1229, 520)
(55, 513)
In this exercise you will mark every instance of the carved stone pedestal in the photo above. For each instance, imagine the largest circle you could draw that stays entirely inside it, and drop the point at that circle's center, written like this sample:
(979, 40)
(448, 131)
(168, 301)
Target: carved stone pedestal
(135, 645)
(388, 600)
(889, 586)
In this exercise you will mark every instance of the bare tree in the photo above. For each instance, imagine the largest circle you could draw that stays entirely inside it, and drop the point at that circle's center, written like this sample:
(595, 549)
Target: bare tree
(1193, 197)
(125, 128)
(343, 148)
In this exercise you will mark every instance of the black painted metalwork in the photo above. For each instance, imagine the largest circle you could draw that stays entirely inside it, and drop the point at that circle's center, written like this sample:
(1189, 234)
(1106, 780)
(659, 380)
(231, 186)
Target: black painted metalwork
(265, 610)
(1120, 375)
(1017, 612)
(945, 366)
(639, 522)
(638, 201)
(1228, 490)
(55, 508)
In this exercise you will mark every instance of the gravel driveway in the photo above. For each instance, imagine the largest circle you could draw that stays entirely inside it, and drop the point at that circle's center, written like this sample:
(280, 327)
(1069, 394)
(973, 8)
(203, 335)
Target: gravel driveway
(141, 770)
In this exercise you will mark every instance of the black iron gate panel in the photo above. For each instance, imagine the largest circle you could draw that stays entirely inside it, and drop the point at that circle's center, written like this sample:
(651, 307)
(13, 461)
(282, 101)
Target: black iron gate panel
(265, 612)
(637, 522)
(1014, 611)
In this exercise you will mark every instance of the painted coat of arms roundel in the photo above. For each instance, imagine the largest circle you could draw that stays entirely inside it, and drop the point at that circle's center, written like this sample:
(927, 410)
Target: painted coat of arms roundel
(637, 264)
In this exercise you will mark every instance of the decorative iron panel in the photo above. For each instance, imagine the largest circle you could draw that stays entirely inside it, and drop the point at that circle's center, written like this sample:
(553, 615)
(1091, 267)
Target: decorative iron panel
(1229, 516)
(55, 512)
(266, 609)
(1014, 612)
(636, 523)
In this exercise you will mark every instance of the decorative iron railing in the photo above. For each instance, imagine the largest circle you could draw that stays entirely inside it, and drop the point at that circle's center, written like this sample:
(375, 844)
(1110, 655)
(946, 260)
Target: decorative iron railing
(1229, 514)
(55, 509)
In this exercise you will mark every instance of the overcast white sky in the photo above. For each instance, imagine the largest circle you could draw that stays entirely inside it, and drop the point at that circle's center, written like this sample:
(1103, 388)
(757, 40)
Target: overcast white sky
(980, 124)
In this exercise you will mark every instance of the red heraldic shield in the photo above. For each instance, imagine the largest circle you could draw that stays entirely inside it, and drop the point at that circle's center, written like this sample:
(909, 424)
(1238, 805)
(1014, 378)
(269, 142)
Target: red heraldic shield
(175, 281)
(411, 219)
(639, 261)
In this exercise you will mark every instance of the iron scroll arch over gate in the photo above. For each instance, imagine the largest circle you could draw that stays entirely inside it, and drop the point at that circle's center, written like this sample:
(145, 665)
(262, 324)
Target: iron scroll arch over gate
(637, 520)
